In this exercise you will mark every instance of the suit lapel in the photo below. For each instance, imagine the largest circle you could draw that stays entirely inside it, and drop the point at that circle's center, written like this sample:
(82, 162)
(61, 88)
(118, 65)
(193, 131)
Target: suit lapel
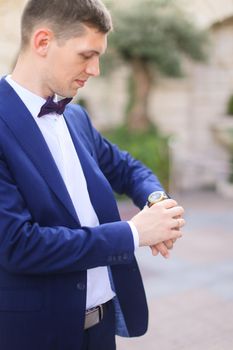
(19, 120)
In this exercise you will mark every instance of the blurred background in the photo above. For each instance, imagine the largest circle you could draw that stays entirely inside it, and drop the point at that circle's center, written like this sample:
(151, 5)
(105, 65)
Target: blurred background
(166, 95)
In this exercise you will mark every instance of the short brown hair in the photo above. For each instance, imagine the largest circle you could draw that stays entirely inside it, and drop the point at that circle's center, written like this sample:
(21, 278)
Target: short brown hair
(65, 17)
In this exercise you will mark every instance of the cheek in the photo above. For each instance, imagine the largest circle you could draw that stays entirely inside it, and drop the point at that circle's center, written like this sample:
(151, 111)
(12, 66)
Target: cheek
(59, 61)
(66, 66)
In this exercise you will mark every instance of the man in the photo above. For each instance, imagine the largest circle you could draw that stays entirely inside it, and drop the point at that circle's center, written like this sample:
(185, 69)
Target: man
(68, 276)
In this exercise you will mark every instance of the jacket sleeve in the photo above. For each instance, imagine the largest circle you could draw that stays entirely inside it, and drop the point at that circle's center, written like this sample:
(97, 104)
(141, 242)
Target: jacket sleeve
(125, 174)
(26, 247)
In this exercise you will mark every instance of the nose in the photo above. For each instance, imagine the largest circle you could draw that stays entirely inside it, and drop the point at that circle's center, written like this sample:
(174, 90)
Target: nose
(93, 67)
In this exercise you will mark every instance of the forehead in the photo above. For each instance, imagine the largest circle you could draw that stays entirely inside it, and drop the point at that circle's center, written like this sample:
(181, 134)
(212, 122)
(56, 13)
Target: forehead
(90, 40)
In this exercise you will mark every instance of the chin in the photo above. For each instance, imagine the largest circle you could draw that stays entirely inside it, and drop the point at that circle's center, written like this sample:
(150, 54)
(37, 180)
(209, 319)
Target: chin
(70, 93)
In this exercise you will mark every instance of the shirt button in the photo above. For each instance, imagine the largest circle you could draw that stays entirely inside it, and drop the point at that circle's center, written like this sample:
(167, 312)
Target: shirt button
(81, 286)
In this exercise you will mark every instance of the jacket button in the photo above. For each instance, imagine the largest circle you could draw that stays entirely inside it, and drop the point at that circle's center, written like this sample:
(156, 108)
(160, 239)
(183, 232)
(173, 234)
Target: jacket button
(125, 256)
(81, 286)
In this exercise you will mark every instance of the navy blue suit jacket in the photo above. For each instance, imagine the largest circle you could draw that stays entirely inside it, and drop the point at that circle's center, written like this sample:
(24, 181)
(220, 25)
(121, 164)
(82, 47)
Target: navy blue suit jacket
(44, 251)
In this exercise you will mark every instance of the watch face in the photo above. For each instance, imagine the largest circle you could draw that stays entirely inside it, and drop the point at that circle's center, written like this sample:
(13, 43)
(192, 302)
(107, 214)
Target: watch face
(156, 197)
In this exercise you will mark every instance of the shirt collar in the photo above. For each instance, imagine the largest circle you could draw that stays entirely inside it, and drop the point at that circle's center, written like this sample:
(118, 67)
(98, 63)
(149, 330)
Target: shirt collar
(32, 101)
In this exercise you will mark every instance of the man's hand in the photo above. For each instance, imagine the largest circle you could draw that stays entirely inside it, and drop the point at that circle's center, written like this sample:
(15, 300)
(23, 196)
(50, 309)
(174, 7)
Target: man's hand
(163, 248)
(159, 223)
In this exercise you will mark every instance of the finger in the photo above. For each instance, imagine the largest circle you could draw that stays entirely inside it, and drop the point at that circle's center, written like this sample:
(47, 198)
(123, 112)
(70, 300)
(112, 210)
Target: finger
(181, 222)
(154, 250)
(176, 212)
(169, 244)
(175, 234)
(163, 250)
(178, 223)
(167, 203)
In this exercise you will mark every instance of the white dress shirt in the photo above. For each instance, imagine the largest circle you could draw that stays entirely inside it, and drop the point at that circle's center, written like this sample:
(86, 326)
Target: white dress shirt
(56, 134)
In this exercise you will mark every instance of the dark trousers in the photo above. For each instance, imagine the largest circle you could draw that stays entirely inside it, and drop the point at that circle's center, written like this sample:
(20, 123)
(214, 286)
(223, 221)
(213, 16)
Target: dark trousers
(101, 336)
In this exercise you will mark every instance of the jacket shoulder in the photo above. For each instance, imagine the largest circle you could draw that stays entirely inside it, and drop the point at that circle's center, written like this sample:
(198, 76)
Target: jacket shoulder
(78, 116)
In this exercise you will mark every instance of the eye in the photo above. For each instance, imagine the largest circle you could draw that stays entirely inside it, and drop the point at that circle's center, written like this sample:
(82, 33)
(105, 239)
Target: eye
(87, 56)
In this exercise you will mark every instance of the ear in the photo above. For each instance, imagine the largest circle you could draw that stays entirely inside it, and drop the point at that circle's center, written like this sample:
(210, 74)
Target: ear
(41, 41)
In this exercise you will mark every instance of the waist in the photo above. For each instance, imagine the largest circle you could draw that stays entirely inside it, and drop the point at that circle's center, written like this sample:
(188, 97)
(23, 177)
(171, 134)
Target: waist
(95, 315)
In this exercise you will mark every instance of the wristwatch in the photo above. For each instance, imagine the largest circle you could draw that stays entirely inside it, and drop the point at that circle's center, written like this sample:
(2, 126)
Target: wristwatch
(156, 197)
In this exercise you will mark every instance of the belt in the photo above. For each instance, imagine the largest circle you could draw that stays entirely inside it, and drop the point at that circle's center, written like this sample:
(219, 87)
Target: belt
(95, 315)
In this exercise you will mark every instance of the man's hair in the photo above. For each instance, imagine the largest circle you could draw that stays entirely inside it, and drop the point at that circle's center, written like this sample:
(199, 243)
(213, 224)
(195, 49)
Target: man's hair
(65, 17)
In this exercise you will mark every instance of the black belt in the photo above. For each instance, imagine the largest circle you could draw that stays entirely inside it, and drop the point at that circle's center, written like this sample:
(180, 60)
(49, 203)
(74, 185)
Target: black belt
(96, 314)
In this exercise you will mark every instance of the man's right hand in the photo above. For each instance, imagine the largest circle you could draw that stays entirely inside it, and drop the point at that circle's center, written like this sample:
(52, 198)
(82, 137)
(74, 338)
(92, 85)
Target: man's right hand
(159, 223)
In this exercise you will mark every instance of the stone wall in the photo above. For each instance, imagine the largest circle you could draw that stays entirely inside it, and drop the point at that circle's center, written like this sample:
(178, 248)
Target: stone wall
(188, 109)
(10, 12)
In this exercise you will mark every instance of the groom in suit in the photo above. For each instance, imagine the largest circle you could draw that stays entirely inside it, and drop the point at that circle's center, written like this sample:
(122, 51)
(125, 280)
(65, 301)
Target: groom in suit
(68, 276)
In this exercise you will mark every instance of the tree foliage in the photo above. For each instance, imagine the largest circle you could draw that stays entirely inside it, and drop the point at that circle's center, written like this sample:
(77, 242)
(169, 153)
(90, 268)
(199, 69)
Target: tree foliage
(157, 32)
(152, 36)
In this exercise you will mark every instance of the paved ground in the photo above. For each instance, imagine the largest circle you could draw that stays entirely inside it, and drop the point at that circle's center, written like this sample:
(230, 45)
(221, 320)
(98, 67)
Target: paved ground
(190, 295)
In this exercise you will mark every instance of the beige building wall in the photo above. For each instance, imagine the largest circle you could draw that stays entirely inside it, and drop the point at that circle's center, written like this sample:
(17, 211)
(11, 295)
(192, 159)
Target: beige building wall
(189, 108)
(10, 12)
(207, 12)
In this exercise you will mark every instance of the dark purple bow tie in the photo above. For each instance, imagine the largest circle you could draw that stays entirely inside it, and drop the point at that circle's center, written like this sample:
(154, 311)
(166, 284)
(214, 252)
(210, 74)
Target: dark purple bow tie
(50, 106)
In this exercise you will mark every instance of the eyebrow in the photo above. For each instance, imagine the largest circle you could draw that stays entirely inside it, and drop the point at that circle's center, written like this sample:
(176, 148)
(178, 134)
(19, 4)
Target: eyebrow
(94, 52)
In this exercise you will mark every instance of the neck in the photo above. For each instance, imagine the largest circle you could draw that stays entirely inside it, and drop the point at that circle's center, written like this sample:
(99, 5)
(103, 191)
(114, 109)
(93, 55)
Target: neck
(28, 74)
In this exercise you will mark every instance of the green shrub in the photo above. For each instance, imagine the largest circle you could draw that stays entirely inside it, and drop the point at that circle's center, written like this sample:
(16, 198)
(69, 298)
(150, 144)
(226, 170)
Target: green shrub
(230, 178)
(230, 106)
(149, 147)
